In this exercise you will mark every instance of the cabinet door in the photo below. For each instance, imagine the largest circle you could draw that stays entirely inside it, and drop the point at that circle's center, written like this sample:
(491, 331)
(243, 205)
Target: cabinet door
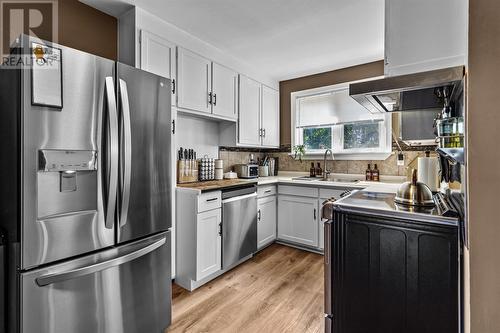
(225, 91)
(158, 57)
(208, 243)
(249, 117)
(194, 81)
(438, 39)
(266, 221)
(298, 220)
(270, 117)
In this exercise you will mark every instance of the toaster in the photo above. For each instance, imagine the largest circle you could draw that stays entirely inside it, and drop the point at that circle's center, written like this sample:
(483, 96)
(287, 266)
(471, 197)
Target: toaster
(247, 170)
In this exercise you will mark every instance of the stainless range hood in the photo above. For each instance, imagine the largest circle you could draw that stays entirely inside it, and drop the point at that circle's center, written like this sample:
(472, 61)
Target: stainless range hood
(419, 91)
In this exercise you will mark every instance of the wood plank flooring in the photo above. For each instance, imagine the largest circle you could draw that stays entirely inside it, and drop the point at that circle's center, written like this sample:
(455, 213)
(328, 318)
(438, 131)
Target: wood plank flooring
(279, 290)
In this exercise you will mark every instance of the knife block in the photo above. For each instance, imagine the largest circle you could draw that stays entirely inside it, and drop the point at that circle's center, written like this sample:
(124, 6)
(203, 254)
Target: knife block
(187, 171)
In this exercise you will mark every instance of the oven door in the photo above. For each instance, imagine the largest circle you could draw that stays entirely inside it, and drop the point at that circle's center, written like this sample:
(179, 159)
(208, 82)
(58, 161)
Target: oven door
(123, 290)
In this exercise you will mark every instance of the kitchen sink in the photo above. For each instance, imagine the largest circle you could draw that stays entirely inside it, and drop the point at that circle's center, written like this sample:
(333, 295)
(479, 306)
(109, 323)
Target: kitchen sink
(339, 180)
(336, 180)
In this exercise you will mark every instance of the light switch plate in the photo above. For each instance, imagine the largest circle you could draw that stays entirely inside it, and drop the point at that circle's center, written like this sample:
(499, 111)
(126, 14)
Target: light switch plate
(401, 159)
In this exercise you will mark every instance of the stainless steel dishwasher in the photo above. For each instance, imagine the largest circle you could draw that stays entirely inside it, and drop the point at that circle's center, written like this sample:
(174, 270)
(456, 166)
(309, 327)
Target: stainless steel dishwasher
(239, 224)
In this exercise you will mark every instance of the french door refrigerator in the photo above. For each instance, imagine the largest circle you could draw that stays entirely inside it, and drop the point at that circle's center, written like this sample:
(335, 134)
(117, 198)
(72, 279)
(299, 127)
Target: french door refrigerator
(85, 195)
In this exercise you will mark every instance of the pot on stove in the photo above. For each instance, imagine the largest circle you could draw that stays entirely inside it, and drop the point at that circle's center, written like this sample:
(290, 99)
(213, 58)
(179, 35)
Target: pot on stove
(414, 193)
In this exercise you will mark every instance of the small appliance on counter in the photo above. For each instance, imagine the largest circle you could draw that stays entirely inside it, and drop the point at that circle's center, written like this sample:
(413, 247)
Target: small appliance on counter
(247, 170)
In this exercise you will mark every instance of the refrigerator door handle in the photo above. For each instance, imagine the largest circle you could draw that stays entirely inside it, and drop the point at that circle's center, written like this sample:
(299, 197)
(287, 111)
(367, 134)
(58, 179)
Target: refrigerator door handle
(111, 159)
(126, 156)
(52, 278)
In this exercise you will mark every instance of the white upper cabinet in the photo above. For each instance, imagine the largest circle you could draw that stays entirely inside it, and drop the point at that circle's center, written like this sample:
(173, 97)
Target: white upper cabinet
(422, 35)
(249, 130)
(258, 124)
(158, 57)
(224, 92)
(194, 81)
(270, 117)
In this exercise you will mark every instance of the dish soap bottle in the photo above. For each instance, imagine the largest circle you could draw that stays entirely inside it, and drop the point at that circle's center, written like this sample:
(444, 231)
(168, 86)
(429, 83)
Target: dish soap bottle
(368, 172)
(375, 174)
(319, 171)
(312, 170)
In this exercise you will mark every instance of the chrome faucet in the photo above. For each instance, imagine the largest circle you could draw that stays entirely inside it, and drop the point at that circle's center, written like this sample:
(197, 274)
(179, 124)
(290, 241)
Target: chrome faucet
(327, 172)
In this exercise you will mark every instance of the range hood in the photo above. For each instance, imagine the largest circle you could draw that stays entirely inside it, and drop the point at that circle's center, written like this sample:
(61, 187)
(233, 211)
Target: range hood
(420, 91)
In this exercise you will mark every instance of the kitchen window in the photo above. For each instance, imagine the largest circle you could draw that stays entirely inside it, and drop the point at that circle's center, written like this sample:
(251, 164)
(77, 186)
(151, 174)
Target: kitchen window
(328, 118)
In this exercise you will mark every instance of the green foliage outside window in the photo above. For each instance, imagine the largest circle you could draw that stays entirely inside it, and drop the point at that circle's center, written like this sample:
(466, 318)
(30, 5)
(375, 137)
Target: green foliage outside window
(361, 135)
(317, 138)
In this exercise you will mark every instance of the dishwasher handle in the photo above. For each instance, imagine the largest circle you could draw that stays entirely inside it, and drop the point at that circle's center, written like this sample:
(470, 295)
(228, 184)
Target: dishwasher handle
(241, 197)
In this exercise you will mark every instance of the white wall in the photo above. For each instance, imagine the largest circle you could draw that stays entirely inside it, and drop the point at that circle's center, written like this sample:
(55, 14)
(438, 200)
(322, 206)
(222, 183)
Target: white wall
(202, 135)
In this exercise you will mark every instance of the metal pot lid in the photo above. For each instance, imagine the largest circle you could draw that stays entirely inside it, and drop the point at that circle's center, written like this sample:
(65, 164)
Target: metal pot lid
(414, 193)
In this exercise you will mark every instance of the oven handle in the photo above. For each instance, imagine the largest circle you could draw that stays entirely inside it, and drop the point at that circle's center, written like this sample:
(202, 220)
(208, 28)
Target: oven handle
(52, 278)
(240, 197)
(328, 262)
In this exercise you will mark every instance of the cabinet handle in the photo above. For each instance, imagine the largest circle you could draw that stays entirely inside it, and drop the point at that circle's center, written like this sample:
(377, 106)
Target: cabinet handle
(315, 213)
(212, 199)
(260, 132)
(215, 99)
(267, 191)
(258, 215)
(173, 126)
(264, 132)
(209, 98)
(173, 86)
(220, 229)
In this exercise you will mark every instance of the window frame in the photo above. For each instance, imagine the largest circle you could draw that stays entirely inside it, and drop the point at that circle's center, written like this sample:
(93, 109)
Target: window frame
(385, 130)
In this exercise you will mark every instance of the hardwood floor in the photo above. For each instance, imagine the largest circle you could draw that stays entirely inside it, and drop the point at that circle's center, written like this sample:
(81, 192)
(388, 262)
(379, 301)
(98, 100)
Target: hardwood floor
(279, 290)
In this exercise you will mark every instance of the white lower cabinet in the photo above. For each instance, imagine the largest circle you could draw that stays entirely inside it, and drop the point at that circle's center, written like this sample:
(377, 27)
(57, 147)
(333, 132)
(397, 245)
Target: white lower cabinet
(298, 220)
(198, 237)
(266, 221)
(208, 243)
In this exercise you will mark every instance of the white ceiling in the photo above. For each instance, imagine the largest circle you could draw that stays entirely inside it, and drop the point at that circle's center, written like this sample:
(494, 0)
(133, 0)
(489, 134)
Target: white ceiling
(285, 38)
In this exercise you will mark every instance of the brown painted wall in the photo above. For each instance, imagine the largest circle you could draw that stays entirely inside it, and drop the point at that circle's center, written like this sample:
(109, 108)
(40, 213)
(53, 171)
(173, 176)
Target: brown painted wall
(85, 28)
(483, 156)
(79, 26)
(319, 80)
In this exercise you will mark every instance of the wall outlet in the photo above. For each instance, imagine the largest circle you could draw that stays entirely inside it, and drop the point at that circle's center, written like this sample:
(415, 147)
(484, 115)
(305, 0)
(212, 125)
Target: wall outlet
(401, 159)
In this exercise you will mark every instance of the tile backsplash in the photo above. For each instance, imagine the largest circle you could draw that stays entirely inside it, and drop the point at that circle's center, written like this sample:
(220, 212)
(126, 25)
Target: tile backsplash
(286, 162)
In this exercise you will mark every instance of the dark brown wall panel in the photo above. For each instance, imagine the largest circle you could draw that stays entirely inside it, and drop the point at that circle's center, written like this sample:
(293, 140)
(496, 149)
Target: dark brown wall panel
(319, 80)
(85, 28)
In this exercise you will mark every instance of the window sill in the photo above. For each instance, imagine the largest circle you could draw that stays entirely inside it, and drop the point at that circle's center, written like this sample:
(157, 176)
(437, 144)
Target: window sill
(372, 156)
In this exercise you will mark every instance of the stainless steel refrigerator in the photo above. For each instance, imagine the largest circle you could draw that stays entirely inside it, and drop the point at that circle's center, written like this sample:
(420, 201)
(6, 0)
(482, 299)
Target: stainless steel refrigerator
(85, 197)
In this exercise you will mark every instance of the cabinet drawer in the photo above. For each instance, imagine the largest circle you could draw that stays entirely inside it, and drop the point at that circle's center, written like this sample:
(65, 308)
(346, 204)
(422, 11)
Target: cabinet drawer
(326, 193)
(208, 201)
(266, 190)
(298, 190)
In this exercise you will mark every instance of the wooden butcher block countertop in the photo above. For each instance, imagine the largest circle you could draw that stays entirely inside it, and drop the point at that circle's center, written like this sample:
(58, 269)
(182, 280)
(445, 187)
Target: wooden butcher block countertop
(216, 184)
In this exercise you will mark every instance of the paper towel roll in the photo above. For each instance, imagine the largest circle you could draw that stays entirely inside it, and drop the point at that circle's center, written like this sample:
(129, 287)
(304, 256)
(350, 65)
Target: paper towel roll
(428, 172)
